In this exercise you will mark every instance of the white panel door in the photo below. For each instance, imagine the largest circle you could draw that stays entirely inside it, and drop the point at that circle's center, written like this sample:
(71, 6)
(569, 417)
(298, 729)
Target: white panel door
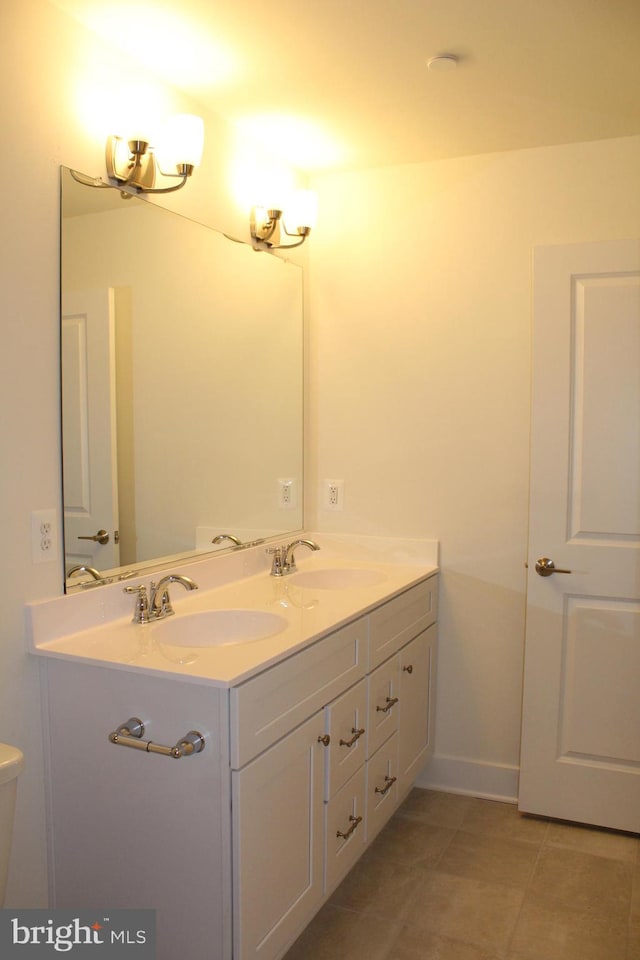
(89, 428)
(580, 755)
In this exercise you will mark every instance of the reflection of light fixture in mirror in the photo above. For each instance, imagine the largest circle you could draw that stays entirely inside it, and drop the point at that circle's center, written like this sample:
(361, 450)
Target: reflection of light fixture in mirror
(135, 163)
(268, 223)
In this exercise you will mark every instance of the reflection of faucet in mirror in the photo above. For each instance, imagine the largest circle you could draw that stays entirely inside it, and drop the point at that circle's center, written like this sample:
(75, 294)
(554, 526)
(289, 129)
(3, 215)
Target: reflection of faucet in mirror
(83, 568)
(284, 560)
(227, 536)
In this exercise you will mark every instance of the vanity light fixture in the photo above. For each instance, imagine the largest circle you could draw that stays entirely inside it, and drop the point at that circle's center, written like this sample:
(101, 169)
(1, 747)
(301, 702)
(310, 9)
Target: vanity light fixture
(267, 224)
(134, 163)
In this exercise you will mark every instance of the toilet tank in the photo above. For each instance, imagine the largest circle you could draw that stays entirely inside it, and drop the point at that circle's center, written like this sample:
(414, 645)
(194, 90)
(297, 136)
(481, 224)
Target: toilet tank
(11, 763)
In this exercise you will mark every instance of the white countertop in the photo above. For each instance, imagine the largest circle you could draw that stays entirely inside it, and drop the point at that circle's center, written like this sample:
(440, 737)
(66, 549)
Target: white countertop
(308, 612)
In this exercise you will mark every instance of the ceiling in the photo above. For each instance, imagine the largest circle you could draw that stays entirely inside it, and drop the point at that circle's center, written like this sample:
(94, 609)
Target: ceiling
(344, 84)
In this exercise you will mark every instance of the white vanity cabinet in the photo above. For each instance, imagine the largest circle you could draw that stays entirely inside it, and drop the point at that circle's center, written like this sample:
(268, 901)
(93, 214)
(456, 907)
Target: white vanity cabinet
(371, 746)
(237, 847)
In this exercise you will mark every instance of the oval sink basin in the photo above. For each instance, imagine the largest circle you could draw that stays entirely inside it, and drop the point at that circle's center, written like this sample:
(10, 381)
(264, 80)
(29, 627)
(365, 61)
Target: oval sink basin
(212, 628)
(340, 578)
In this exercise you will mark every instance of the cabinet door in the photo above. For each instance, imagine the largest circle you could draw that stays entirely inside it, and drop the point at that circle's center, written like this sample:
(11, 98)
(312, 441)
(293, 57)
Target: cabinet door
(346, 724)
(417, 681)
(278, 838)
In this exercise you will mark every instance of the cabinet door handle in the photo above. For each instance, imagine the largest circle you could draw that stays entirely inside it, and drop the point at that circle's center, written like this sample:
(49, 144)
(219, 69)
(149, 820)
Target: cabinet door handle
(389, 782)
(408, 668)
(391, 702)
(356, 736)
(354, 826)
(324, 739)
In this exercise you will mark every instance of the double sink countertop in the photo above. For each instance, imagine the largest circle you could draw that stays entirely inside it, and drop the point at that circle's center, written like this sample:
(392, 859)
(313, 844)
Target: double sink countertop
(241, 619)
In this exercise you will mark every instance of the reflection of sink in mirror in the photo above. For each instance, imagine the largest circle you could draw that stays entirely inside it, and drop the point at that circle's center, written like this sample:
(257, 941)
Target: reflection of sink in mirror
(340, 578)
(212, 628)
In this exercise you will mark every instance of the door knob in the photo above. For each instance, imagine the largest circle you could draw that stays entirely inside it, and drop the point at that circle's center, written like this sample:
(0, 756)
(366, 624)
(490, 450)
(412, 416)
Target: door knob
(546, 567)
(100, 537)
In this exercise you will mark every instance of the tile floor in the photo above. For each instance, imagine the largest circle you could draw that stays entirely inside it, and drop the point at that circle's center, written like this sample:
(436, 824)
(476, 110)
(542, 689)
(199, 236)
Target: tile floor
(457, 878)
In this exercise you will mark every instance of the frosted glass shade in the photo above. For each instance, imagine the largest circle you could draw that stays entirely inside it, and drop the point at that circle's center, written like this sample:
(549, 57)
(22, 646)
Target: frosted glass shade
(182, 141)
(302, 209)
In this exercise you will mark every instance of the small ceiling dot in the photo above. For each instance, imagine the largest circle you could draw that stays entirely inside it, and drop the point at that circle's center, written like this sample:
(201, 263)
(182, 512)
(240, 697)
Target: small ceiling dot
(446, 61)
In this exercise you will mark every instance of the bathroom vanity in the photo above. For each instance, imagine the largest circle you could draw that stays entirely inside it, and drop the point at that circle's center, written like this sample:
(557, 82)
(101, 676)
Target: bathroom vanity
(312, 737)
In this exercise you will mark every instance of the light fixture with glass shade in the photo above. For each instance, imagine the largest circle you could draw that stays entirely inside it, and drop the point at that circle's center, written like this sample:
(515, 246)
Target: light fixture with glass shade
(268, 223)
(136, 163)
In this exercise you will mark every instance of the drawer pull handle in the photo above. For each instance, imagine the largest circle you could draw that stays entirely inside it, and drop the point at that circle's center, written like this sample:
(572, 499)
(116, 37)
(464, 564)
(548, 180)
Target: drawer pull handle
(356, 736)
(389, 782)
(354, 826)
(130, 734)
(408, 668)
(391, 702)
(325, 739)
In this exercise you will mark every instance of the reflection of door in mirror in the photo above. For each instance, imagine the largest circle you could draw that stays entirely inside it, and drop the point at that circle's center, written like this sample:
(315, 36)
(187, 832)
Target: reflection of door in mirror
(89, 430)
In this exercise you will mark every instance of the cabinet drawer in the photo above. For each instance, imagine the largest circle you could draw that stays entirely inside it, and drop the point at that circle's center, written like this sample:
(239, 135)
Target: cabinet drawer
(382, 786)
(345, 829)
(268, 706)
(398, 621)
(346, 724)
(382, 714)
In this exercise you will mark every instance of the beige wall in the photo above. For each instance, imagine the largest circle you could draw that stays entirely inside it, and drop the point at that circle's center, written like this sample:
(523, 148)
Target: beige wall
(53, 75)
(419, 359)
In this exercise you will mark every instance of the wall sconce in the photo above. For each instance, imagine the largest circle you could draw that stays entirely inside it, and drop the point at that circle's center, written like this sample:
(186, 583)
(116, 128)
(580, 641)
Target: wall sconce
(267, 224)
(135, 163)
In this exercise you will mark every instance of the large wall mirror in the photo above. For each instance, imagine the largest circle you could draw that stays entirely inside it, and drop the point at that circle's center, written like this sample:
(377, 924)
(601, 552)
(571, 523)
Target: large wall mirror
(181, 386)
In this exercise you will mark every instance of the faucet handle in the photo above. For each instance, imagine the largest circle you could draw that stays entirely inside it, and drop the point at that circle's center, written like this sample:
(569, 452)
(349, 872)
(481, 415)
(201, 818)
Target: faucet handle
(278, 553)
(141, 608)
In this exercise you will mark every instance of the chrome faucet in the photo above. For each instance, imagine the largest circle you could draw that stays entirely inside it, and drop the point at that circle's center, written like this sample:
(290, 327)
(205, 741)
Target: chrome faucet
(83, 568)
(159, 600)
(227, 536)
(158, 605)
(284, 560)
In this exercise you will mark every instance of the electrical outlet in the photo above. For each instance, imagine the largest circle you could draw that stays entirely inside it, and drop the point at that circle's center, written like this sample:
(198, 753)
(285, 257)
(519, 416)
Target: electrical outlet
(286, 494)
(44, 536)
(333, 494)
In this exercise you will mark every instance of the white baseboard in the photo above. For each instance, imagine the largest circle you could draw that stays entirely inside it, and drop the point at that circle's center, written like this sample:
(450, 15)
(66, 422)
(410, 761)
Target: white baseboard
(490, 781)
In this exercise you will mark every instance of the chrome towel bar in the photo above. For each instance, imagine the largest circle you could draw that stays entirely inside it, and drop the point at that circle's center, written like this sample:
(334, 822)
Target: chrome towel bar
(130, 734)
